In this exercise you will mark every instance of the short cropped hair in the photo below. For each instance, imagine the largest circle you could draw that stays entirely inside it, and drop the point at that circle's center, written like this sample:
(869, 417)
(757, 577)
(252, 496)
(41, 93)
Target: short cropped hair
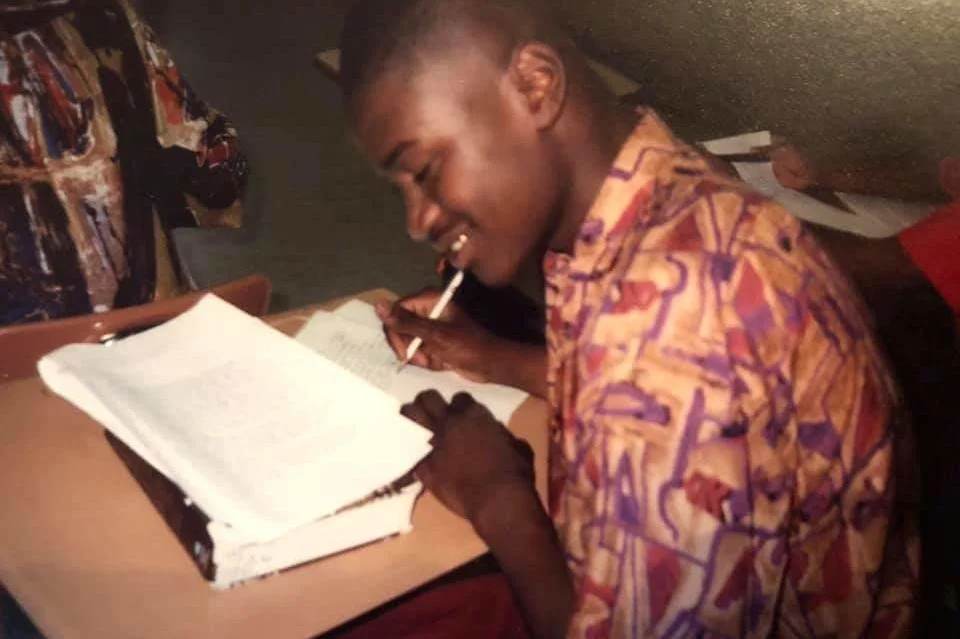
(383, 35)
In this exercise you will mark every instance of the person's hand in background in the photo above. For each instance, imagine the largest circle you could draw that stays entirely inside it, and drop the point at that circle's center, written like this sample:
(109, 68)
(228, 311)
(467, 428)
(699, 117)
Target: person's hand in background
(797, 169)
(793, 168)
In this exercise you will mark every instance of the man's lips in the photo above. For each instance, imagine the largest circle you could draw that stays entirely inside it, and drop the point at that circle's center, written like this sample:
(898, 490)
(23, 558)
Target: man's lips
(461, 257)
(452, 241)
(456, 245)
(459, 243)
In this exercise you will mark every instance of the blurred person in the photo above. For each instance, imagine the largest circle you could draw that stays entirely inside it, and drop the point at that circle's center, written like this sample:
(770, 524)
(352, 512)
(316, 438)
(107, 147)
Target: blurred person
(104, 149)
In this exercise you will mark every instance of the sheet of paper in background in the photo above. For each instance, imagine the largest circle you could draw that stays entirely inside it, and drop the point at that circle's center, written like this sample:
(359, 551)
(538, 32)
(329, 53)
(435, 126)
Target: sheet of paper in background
(897, 215)
(869, 216)
(760, 176)
(735, 144)
(352, 338)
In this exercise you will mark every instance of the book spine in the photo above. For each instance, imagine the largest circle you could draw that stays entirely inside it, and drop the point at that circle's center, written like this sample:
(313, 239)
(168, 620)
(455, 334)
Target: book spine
(184, 518)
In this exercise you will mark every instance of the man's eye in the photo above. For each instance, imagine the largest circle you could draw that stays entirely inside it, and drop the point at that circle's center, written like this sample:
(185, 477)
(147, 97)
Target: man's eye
(424, 173)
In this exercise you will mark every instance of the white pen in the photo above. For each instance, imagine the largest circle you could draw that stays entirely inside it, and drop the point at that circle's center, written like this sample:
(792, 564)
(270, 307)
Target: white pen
(435, 312)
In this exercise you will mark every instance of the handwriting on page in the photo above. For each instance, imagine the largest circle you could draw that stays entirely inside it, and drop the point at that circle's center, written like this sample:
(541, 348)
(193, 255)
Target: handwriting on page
(357, 348)
(351, 341)
(270, 445)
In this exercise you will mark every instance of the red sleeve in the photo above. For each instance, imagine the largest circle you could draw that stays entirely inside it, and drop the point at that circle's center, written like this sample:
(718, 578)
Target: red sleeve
(934, 246)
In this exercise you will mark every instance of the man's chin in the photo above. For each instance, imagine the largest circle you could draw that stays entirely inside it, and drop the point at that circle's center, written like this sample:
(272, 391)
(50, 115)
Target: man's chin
(494, 277)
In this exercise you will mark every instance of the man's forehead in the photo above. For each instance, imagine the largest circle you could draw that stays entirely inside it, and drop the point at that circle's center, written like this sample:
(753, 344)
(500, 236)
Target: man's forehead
(389, 110)
(438, 92)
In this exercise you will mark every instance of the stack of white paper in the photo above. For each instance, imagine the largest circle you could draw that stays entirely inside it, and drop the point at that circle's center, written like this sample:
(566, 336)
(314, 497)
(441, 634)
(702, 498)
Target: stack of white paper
(262, 434)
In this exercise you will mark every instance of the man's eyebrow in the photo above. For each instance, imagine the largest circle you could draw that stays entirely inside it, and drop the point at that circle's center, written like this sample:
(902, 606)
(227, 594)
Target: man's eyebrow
(394, 155)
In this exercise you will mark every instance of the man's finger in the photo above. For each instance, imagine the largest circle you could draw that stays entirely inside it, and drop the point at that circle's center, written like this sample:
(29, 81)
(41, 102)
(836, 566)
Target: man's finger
(433, 404)
(398, 344)
(417, 413)
(524, 448)
(409, 324)
(460, 402)
(465, 405)
(421, 303)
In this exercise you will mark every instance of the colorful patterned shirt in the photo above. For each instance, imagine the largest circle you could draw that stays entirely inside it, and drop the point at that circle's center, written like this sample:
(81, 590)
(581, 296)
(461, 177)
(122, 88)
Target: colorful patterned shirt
(103, 150)
(723, 428)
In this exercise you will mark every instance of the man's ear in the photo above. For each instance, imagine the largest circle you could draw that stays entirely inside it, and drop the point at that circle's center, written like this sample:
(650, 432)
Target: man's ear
(540, 76)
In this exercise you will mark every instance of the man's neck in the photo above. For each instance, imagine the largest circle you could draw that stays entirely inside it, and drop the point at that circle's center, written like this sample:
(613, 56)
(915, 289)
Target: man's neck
(594, 137)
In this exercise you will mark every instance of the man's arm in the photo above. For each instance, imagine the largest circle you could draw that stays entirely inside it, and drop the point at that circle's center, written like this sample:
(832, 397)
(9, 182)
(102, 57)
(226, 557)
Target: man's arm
(522, 366)
(484, 474)
(521, 536)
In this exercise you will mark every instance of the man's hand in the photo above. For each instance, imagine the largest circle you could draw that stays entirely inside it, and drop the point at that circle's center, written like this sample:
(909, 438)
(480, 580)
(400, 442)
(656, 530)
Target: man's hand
(457, 343)
(452, 342)
(476, 463)
(482, 472)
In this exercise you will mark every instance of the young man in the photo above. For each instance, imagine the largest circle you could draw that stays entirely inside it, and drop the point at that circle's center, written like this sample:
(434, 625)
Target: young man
(726, 446)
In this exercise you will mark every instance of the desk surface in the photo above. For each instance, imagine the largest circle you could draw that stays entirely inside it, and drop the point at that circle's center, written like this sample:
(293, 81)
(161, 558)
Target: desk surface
(85, 553)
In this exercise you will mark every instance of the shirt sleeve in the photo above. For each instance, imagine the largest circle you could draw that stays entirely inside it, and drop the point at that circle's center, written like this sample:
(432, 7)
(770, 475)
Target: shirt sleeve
(934, 246)
(698, 488)
(200, 144)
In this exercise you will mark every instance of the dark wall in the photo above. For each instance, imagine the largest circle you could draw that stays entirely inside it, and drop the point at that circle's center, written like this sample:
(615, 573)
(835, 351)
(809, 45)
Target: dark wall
(843, 77)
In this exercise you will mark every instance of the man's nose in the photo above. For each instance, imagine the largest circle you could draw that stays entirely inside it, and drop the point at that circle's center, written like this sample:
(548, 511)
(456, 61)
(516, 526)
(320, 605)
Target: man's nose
(422, 214)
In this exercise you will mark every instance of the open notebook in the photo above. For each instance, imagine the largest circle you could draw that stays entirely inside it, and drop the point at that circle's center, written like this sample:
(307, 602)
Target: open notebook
(279, 448)
(352, 337)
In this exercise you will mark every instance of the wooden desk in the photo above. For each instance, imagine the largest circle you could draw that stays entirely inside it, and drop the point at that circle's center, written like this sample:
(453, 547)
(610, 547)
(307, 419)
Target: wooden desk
(86, 555)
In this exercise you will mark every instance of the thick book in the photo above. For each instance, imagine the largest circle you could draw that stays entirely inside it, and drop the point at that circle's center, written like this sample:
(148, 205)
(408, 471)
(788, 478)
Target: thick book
(277, 455)
(383, 514)
(262, 452)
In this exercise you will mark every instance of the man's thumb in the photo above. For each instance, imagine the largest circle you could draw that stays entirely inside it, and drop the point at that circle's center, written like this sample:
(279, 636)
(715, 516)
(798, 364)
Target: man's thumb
(404, 322)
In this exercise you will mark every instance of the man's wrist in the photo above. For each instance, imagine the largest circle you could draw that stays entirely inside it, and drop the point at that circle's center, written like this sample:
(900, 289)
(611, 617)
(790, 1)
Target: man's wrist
(520, 534)
(509, 501)
(520, 366)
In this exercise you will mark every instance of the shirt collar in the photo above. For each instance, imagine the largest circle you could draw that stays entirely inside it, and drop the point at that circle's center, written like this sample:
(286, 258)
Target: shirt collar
(622, 201)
